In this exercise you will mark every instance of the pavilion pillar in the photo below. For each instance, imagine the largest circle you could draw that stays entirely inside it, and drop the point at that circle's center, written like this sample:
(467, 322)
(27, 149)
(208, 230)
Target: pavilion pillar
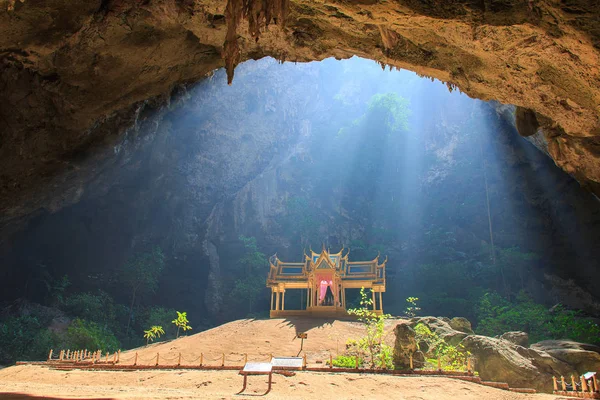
(272, 298)
(343, 297)
(374, 300)
(307, 297)
(380, 302)
(277, 300)
(283, 300)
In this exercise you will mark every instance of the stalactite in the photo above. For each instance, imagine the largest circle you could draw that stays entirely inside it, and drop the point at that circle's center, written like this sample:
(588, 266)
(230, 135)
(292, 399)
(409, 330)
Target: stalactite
(259, 14)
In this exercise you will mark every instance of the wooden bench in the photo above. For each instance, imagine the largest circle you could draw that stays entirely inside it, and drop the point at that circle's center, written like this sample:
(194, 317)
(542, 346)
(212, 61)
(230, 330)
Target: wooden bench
(257, 368)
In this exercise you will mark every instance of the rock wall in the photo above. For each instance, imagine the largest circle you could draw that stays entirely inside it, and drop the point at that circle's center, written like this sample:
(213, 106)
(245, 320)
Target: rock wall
(74, 76)
(209, 162)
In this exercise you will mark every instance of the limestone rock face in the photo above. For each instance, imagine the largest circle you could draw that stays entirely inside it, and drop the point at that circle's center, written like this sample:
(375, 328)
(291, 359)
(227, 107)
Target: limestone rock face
(73, 76)
(516, 337)
(461, 324)
(405, 345)
(583, 357)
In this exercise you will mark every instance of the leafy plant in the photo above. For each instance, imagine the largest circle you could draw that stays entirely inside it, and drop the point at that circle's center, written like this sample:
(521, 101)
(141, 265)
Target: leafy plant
(452, 358)
(347, 361)
(412, 309)
(181, 322)
(378, 353)
(153, 333)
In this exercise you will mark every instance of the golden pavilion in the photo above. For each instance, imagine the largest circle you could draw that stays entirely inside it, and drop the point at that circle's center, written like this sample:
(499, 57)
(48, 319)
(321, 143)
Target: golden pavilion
(324, 278)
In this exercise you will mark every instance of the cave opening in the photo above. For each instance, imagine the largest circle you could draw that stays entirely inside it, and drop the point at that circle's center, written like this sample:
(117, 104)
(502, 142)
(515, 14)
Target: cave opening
(472, 216)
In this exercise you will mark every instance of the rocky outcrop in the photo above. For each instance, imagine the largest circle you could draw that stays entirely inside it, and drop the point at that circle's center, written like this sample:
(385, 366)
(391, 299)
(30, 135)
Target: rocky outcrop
(442, 329)
(461, 324)
(404, 346)
(505, 359)
(73, 76)
(516, 337)
(583, 357)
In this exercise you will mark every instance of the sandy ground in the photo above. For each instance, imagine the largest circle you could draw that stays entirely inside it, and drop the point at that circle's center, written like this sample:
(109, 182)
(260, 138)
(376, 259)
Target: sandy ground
(259, 339)
(42, 381)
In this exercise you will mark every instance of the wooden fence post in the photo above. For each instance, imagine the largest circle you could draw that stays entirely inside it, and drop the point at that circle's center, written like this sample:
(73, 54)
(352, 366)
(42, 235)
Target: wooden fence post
(115, 358)
(156, 359)
(119, 356)
(594, 379)
(574, 387)
(356, 361)
(555, 384)
(99, 358)
(330, 361)
(411, 361)
(201, 358)
(383, 364)
(179, 361)
(304, 361)
(584, 386)
(135, 361)
(61, 355)
(468, 364)
(564, 385)
(107, 357)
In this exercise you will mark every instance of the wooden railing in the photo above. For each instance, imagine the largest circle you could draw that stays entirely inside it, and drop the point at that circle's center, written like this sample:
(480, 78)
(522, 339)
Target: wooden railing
(585, 388)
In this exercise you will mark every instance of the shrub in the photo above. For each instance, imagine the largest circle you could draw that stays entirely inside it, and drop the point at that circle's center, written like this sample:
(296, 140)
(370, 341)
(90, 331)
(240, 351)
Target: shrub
(343, 361)
(82, 334)
(371, 345)
(452, 358)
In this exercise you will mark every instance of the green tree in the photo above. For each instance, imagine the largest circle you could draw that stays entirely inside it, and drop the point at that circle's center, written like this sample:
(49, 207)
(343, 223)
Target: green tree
(181, 322)
(393, 108)
(253, 262)
(140, 274)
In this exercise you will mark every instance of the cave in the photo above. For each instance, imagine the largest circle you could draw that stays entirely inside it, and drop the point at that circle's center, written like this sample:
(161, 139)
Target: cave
(461, 139)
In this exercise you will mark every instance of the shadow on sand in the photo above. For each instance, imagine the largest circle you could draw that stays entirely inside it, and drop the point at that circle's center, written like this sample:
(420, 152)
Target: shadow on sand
(304, 324)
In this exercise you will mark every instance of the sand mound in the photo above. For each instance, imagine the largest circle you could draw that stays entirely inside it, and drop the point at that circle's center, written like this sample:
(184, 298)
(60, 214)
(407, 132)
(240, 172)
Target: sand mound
(259, 339)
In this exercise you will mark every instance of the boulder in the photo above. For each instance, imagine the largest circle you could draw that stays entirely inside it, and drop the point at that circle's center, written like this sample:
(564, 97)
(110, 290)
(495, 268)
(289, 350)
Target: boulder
(442, 329)
(404, 346)
(503, 361)
(516, 337)
(461, 324)
(506, 359)
(583, 357)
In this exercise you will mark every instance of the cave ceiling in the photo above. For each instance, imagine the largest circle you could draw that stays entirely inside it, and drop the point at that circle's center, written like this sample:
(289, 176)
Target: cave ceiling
(76, 75)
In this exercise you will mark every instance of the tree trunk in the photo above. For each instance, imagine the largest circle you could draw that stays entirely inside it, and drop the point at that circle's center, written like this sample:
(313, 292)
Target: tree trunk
(131, 310)
(489, 214)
